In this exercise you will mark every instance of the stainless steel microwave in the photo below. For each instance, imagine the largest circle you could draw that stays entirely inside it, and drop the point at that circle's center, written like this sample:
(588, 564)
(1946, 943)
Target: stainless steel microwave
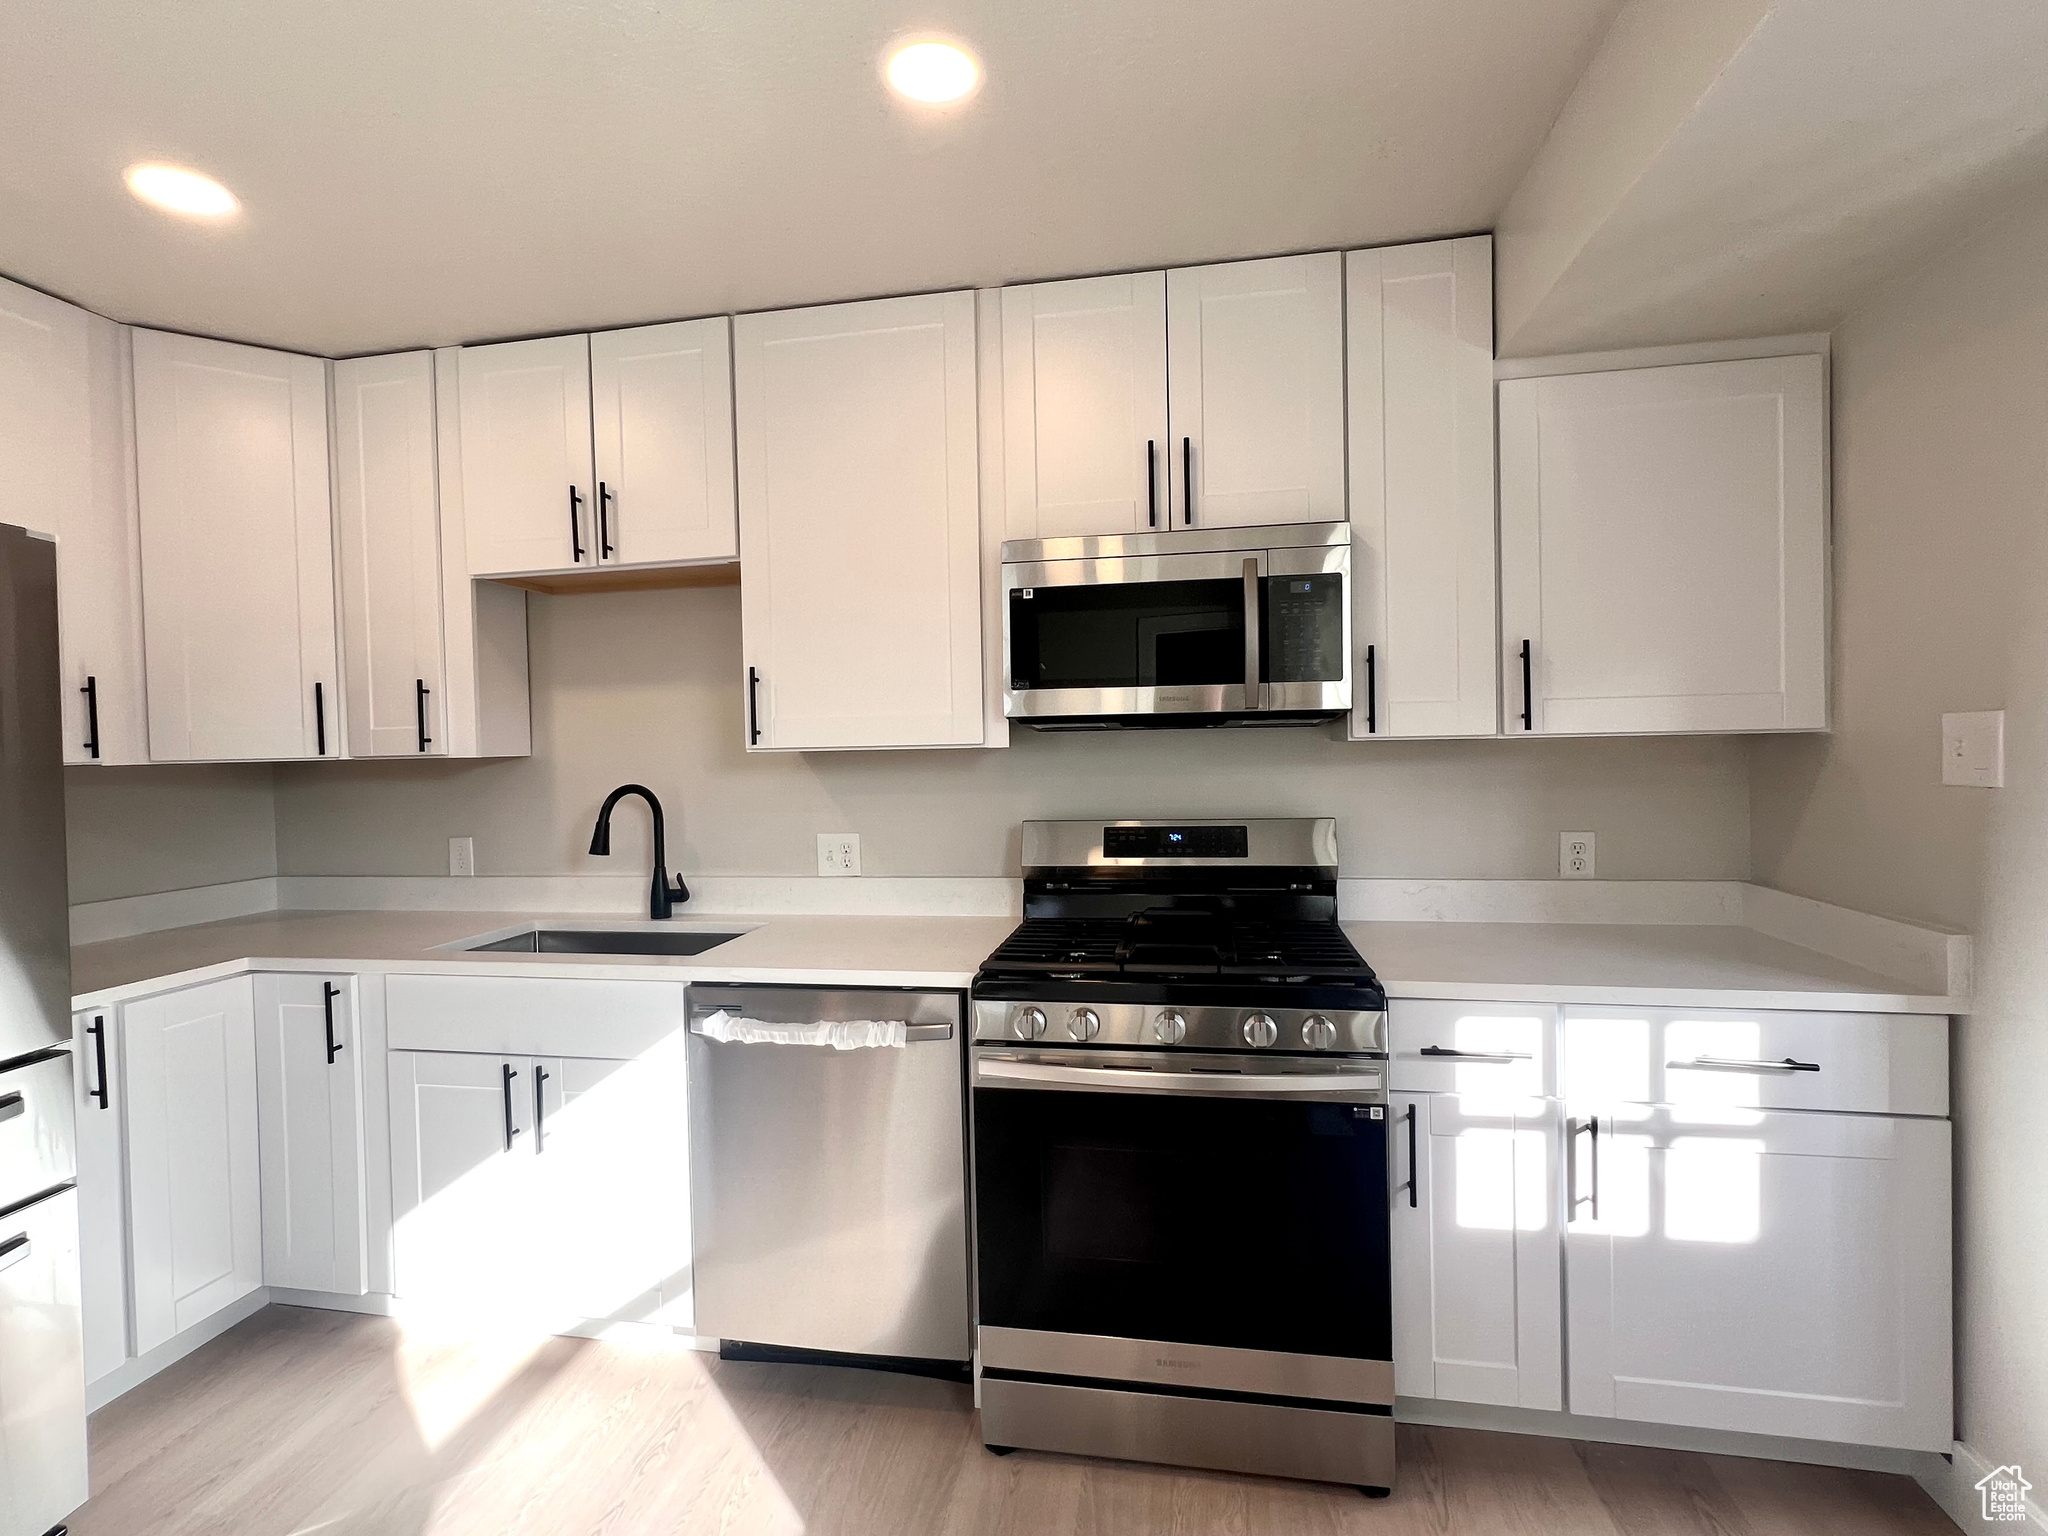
(1204, 626)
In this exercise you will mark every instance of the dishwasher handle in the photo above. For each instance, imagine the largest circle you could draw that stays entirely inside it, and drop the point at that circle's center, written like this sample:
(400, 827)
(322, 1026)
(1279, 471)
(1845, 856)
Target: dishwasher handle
(912, 1033)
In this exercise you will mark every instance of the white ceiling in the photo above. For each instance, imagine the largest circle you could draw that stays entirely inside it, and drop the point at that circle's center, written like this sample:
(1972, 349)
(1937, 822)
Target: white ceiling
(431, 171)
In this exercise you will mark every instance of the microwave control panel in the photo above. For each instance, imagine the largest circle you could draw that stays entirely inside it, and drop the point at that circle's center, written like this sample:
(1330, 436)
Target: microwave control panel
(1304, 639)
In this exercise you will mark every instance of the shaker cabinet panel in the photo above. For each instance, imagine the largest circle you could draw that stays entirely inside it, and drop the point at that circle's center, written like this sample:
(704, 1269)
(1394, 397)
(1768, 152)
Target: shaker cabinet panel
(310, 1131)
(860, 525)
(1084, 406)
(387, 510)
(1774, 1273)
(1255, 393)
(1478, 1315)
(529, 484)
(661, 416)
(1420, 360)
(1664, 549)
(237, 551)
(195, 1236)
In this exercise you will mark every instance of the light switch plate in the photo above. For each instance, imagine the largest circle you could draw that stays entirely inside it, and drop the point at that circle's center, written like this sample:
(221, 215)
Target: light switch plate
(838, 853)
(1575, 855)
(461, 856)
(1973, 749)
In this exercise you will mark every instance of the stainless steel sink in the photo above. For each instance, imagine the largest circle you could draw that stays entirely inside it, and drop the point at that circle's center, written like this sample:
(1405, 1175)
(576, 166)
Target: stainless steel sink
(604, 941)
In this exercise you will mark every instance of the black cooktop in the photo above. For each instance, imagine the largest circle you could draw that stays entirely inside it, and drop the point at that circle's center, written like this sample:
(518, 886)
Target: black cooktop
(1168, 941)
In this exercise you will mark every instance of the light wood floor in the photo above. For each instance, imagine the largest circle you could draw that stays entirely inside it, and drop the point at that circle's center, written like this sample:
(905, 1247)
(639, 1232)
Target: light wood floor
(302, 1422)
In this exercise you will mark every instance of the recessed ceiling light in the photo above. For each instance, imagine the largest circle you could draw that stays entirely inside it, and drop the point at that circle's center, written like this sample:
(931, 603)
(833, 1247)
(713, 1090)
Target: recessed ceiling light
(933, 72)
(177, 190)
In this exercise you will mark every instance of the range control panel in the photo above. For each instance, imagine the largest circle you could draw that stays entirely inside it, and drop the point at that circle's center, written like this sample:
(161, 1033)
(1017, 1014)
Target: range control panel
(1176, 842)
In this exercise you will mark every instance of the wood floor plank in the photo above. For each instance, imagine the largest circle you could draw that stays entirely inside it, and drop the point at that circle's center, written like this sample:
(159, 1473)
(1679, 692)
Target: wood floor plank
(303, 1423)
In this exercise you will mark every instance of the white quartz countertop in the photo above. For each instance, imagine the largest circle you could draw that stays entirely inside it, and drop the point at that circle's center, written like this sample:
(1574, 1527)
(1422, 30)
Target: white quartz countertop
(1648, 965)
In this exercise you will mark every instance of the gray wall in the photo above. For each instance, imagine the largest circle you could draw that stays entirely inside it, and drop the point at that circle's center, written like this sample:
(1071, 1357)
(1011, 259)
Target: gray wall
(135, 831)
(644, 686)
(1941, 603)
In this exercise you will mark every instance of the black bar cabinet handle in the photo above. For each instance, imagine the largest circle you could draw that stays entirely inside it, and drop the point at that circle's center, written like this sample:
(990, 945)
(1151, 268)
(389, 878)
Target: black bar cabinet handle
(511, 1130)
(328, 993)
(98, 1030)
(420, 690)
(1594, 1126)
(1414, 1172)
(540, 1076)
(1528, 691)
(604, 522)
(91, 690)
(320, 719)
(1187, 480)
(1151, 485)
(1372, 691)
(576, 525)
(753, 707)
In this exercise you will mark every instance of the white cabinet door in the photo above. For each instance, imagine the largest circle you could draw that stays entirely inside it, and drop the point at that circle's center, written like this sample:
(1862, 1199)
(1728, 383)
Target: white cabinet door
(612, 1153)
(1420, 361)
(1664, 549)
(1084, 406)
(310, 1130)
(463, 1197)
(237, 550)
(195, 1237)
(102, 1191)
(527, 480)
(387, 510)
(1255, 369)
(859, 524)
(1478, 1316)
(1777, 1273)
(661, 413)
(45, 433)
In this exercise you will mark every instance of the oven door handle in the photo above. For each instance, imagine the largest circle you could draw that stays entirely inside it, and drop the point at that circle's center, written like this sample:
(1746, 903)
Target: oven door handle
(1037, 1074)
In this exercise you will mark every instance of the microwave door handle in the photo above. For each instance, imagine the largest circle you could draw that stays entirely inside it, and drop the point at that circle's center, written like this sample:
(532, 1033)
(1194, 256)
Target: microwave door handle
(1254, 691)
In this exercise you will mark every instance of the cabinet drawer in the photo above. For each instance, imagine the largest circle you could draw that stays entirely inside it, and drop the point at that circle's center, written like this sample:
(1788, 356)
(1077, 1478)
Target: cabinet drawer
(1484, 1049)
(532, 1016)
(1707, 1059)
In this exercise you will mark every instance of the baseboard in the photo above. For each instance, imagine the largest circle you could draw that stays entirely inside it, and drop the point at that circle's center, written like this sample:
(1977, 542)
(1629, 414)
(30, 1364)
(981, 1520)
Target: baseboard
(1669, 1437)
(131, 1374)
(95, 921)
(1952, 1483)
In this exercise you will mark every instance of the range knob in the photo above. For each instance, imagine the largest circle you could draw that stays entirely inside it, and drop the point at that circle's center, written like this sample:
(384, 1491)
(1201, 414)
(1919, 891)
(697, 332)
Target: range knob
(1171, 1027)
(1027, 1023)
(1084, 1023)
(1318, 1033)
(1260, 1031)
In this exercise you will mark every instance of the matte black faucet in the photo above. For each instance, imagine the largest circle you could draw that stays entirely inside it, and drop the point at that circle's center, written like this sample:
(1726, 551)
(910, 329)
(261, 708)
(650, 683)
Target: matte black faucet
(661, 899)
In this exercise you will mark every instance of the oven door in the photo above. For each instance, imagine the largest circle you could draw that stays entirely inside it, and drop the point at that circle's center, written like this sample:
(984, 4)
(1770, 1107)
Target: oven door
(1235, 1206)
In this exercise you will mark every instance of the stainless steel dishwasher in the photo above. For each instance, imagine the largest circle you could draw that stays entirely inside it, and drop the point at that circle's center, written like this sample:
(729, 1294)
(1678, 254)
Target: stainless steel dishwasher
(828, 1187)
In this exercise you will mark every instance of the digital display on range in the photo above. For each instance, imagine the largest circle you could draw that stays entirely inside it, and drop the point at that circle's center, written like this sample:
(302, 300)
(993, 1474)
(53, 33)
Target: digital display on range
(1176, 843)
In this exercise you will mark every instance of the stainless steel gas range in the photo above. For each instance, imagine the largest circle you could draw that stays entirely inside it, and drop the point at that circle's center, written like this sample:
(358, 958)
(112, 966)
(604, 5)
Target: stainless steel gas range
(1180, 1157)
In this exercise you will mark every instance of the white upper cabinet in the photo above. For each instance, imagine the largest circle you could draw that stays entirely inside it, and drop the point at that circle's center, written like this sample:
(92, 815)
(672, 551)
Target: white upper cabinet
(859, 525)
(1084, 406)
(529, 485)
(387, 509)
(1664, 549)
(661, 414)
(237, 550)
(66, 426)
(1420, 360)
(1255, 367)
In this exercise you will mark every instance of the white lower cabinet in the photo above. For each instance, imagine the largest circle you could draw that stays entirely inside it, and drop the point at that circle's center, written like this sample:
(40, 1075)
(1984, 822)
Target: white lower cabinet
(310, 1119)
(195, 1237)
(99, 1110)
(1478, 1317)
(1781, 1273)
(554, 1190)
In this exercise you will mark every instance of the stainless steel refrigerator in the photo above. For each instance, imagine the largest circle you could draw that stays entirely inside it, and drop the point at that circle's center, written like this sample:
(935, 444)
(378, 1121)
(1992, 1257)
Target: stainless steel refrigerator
(42, 1376)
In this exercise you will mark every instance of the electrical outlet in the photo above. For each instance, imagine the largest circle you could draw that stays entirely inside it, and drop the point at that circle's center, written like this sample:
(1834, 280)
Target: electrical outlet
(838, 853)
(1973, 749)
(461, 855)
(1575, 855)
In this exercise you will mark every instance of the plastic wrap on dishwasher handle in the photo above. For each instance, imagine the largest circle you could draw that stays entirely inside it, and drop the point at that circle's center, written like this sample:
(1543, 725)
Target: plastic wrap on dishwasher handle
(840, 1034)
